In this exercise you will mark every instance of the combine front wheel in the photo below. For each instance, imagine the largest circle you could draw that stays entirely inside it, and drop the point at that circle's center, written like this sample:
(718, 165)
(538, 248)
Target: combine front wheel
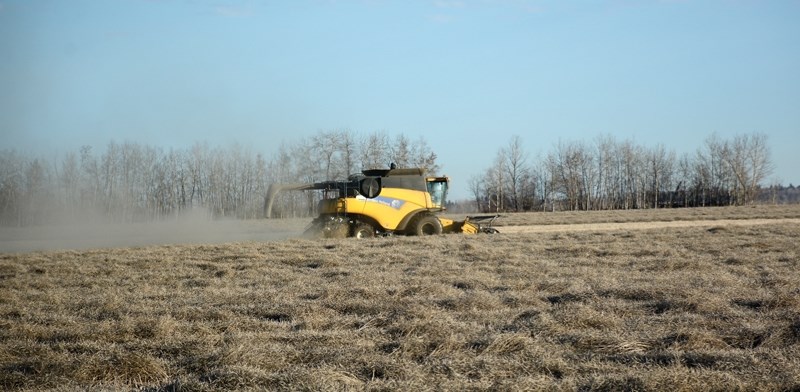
(428, 225)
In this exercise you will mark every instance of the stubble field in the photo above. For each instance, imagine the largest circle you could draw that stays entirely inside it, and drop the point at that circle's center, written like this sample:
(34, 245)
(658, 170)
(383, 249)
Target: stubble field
(617, 301)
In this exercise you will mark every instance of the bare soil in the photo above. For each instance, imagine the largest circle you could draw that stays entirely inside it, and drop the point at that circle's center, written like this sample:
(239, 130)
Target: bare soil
(642, 225)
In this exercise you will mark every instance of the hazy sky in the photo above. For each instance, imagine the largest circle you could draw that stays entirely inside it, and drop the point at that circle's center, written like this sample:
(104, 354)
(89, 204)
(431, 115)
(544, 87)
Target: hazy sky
(465, 74)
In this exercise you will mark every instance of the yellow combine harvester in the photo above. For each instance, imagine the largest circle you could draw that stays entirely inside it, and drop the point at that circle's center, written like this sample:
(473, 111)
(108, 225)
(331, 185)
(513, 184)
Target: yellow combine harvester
(383, 202)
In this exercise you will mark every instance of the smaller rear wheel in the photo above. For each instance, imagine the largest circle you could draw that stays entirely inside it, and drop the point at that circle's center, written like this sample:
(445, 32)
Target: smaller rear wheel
(363, 230)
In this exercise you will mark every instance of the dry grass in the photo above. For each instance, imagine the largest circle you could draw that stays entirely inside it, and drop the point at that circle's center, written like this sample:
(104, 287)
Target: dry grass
(678, 309)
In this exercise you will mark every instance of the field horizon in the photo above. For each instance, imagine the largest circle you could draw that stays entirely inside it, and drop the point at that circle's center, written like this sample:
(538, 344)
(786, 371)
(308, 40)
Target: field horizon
(699, 307)
(198, 228)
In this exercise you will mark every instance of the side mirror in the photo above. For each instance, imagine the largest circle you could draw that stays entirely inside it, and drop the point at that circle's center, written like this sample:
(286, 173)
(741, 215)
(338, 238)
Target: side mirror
(370, 187)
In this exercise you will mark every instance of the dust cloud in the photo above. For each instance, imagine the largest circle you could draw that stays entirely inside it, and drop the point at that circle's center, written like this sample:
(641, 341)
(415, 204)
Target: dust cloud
(195, 228)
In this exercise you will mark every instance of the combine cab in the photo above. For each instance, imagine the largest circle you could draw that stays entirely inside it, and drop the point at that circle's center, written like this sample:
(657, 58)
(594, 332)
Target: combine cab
(383, 202)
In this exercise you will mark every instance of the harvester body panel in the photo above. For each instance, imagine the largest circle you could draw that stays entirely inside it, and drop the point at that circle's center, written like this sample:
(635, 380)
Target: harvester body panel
(401, 201)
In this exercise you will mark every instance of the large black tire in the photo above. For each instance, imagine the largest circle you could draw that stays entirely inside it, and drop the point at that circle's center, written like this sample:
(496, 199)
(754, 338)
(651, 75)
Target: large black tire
(426, 225)
(363, 230)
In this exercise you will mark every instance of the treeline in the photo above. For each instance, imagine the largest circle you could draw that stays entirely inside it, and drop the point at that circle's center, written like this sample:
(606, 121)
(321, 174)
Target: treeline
(611, 174)
(780, 194)
(130, 182)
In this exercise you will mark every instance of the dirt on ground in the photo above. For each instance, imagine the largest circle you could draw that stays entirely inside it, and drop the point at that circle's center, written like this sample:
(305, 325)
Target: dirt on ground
(641, 225)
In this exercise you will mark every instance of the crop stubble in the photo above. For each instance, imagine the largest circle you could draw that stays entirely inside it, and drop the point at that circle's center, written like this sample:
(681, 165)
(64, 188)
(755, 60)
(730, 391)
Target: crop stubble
(681, 308)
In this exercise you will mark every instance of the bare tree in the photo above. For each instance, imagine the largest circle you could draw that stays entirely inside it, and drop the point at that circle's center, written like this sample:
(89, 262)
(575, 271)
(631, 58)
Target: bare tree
(69, 181)
(33, 198)
(760, 161)
(375, 151)
(348, 151)
(516, 170)
(401, 151)
(685, 179)
(423, 157)
(719, 176)
(632, 184)
(495, 183)
(607, 172)
(660, 163)
(325, 144)
(476, 187)
(572, 172)
(747, 157)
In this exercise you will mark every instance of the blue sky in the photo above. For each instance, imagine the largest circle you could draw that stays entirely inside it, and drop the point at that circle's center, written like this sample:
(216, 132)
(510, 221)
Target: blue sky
(465, 74)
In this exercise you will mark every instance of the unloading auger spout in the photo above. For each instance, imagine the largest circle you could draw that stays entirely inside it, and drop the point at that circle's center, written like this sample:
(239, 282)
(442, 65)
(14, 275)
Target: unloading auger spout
(368, 187)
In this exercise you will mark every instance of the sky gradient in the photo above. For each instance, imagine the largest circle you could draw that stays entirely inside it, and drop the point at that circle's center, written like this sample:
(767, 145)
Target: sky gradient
(467, 75)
